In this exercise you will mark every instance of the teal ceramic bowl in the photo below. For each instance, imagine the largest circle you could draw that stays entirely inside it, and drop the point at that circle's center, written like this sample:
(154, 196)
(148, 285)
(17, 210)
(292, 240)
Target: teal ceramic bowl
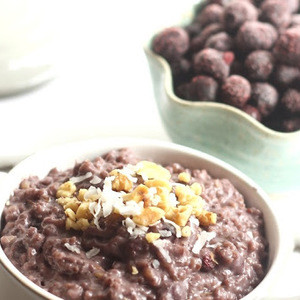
(269, 157)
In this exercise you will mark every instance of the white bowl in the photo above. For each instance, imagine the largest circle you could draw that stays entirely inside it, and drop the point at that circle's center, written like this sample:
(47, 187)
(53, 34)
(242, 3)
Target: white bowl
(15, 285)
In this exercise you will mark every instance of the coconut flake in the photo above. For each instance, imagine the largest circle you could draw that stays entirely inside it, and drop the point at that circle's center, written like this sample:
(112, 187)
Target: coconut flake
(137, 169)
(131, 208)
(177, 228)
(93, 252)
(92, 192)
(173, 200)
(141, 230)
(96, 209)
(155, 223)
(194, 221)
(107, 207)
(165, 233)
(160, 246)
(81, 178)
(72, 248)
(95, 180)
(155, 200)
(203, 237)
(250, 234)
(128, 172)
(129, 224)
(155, 264)
(215, 245)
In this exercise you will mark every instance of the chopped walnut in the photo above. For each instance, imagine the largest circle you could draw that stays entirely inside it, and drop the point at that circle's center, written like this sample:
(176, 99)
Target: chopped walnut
(149, 216)
(121, 182)
(66, 189)
(152, 236)
(184, 177)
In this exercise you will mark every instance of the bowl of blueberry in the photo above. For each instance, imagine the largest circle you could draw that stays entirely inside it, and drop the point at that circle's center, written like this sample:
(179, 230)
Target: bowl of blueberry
(227, 82)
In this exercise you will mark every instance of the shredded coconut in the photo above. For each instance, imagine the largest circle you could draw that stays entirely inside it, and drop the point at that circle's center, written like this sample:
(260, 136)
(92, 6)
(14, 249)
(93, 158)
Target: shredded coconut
(165, 233)
(203, 237)
(160, 245)
(95, 180)
(93, 252)
(250, 234)
(81, 178)
(194, 221)
(130, 225)
(137, 231)
(155, 264)
(72, 248)
(128, 172)
(95, 209)
(173, 199)
(131, 208)
(177, 227)
(92, 192)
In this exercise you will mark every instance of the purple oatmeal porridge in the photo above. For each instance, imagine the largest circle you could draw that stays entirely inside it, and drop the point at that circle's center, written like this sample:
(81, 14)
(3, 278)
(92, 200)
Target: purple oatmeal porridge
(119, 227)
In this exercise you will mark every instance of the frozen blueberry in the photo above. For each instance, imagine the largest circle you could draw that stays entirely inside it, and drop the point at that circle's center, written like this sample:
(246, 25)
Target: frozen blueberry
(220, 41)
(204, 88)
(180, 67)
(237, 68)
(276, 12)
(171, 43)
(287, 47)
(220, 2)
(265, 97)
(295, 21)
(213, 63)
(252, 111)
(184, 91)
(286, 76)
(292, 124)
(257, 3)
(256, 36)
(237, 13)
(236, 91)
(259, 65)
(211, 13)
(198, 42)
(291, 101)
(293, 5)
(193, 29)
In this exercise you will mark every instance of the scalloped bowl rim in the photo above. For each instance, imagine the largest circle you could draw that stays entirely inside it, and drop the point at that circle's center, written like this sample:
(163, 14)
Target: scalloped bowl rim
(168, 84)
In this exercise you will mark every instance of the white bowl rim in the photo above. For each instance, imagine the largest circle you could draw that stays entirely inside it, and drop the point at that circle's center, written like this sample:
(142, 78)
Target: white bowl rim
(168, 85)
(279, 256)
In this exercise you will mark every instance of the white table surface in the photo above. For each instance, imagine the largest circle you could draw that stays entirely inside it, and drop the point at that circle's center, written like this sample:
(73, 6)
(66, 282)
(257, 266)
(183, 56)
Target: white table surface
(102, 88)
